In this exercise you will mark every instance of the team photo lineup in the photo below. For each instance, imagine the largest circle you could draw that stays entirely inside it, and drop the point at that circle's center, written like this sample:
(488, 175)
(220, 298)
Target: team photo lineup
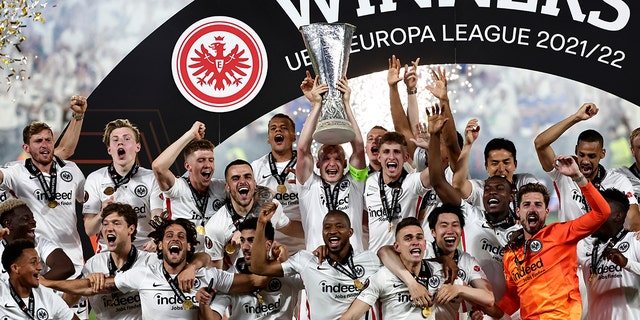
(394, 228)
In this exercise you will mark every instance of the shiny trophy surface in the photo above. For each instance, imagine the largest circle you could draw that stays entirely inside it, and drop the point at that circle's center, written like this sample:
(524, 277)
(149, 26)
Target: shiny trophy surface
(329, 45)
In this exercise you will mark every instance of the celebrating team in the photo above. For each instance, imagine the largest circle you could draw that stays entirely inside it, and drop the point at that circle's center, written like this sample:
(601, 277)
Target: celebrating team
(325, 236)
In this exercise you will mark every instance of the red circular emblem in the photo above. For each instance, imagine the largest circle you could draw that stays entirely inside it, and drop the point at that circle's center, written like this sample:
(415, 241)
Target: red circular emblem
(219, 64)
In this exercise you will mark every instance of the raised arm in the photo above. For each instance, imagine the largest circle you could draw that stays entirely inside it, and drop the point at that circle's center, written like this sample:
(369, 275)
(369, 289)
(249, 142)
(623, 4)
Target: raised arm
(422, 140)
(260, 264)
(60, 265)
(543, 141)
(600, 210)
(400, 120)
(313, 91)
(443, 189)
(449, 134)
(70, 138)
(461, 173)
(163, 162)
(357, 158)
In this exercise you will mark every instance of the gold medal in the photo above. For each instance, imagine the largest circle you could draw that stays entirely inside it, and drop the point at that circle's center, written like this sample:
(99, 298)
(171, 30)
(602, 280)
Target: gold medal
(591, 277)
(229, 248)
(260, 299)
(200, 230)
(187, 304)
(281, 188)
(426, 312)
(109, 191)
(52, 204)
(358, 284)
(389, 228)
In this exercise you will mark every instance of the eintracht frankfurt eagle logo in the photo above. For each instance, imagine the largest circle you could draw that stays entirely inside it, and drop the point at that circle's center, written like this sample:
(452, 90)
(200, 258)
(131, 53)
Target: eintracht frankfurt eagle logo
(219, 64)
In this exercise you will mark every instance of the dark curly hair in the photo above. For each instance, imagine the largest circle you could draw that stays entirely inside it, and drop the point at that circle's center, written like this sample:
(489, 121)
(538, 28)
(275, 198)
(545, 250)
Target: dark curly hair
(161, 223)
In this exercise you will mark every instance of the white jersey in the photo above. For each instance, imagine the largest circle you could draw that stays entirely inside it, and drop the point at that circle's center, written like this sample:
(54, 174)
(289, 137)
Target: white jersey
(313, 207)
(486, 244)
(56, 224)
(289, 199)
(279, 300)
(469, 269)
(180, 203)
(573, 204)
(477, 189)
(141, 192)
(329, 291)
(635, 180)
(613, 291)
(381, 230)
(47, 304)
(5, 193)
(220, 228)
(156, 296)
(117, 305)
(44, 248)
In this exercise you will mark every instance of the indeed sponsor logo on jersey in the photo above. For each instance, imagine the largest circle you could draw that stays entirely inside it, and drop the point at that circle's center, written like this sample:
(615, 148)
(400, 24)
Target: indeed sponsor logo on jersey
(338, 288)
(287, 198)
(610, 271)
(173, 300)
(141, 211)
(3, 196)
(496, 250)
(380, 212)
(403, 297)
(64, 198)
(343, 204)
(526, 273)
(261, 307)
(121, 301)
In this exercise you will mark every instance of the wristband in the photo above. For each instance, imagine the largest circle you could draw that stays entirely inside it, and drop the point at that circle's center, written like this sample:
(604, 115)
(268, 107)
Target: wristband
(412, 91)
(78, 116)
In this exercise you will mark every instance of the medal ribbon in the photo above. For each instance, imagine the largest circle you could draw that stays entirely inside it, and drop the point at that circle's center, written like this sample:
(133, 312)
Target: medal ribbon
(201, 202)
(438, 252)
(173, 283)
(390, 210)
(281, 177)
(119, 180)
(131, 259)
(595, 261)
(235, 217)
(331, 196)
(350, 270)
(50, 189)
(424, 275)
(504, 223)
(27, 310)
(596, 181)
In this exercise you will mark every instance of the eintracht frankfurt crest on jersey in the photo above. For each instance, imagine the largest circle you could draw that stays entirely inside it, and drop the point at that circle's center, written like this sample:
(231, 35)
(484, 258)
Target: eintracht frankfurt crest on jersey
(219, 64)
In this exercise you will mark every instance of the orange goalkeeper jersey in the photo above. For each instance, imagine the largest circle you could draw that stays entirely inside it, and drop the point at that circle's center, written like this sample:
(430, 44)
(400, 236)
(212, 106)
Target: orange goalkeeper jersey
(545, 284)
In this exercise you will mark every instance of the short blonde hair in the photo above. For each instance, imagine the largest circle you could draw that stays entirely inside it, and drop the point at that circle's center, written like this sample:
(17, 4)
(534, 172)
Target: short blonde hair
(8, 206)
(119, 123)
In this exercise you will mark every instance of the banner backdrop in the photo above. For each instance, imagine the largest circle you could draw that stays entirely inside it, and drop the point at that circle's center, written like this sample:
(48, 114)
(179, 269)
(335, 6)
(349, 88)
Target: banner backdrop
(227, 63)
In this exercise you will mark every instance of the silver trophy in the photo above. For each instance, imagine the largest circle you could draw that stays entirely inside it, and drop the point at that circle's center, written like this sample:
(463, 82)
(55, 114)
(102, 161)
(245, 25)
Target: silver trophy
(329, 45)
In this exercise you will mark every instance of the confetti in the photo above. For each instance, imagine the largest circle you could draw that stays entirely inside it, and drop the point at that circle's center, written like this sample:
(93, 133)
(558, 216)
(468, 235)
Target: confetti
(14, 17)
